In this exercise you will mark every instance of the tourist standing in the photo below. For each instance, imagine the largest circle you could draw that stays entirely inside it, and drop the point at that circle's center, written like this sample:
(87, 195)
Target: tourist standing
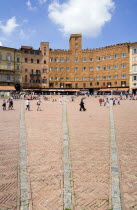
(27, 105)
(107, 102)
(100, 101)
(118, 102)
(38, 105)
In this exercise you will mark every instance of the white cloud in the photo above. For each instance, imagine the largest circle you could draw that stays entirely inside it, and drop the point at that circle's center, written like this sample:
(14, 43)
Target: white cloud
(42, 1)
(30, 5)
(10, 26)
(1, 43)
(81, 16)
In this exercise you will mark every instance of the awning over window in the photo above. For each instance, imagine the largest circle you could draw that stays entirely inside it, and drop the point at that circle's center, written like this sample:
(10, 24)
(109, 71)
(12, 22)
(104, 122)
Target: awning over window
(123, 89)
(134, 88)
(7, 88)
(61, 90)
(105, 90)
(117, 89)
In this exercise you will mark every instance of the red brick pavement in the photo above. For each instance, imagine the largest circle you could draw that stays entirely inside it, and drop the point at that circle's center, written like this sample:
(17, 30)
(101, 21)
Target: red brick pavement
(44, 150)
(126, 132)
(9, 157)
(89, 147)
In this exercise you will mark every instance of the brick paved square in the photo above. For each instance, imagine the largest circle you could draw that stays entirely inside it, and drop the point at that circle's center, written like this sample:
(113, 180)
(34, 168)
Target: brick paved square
(90, 157)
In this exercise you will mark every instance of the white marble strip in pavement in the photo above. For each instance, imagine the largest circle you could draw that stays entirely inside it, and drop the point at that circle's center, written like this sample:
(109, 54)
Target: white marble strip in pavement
(116, 195)
(66, 162)
(24, 194)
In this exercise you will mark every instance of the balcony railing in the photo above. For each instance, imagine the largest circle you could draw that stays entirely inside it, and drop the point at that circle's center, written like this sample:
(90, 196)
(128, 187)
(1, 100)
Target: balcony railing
(9, 70)
(35, 74)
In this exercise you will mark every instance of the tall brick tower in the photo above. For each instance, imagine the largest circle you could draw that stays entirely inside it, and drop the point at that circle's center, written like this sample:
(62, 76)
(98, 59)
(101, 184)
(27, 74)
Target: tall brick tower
(75, 42)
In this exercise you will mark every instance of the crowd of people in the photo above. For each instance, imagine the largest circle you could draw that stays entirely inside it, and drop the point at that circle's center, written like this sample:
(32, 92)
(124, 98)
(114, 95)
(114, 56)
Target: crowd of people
(105, 101)
(7, 104)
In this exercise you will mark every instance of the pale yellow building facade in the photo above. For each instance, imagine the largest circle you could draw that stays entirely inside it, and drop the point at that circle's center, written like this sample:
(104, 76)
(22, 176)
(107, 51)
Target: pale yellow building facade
(10, 67)
(133, 68)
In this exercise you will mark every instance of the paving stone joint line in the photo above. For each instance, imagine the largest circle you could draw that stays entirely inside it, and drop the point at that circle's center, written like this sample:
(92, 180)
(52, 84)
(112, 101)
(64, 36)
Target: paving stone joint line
(24, 194)
(115, 173)
(66, 160)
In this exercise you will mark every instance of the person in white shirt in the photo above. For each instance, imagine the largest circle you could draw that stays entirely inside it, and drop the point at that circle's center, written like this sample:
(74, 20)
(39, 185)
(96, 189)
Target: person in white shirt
(27, 105)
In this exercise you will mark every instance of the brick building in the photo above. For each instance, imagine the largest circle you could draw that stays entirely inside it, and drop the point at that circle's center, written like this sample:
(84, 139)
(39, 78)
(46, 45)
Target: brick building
(106, 69)
(94, 69)
(35, 67)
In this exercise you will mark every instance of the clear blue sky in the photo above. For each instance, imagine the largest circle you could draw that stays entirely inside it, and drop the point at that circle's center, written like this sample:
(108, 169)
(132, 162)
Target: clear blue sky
(30, 22)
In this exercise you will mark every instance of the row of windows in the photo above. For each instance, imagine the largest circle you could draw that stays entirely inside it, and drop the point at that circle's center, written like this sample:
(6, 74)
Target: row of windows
(31, 52)
(35, 81)
(32, 60)
(87, 59)
(34, 52)
(9, 67)
(8, 78)
(108, 84)
(123, 76)
(37, 71)
(91, 68)
(9, 58)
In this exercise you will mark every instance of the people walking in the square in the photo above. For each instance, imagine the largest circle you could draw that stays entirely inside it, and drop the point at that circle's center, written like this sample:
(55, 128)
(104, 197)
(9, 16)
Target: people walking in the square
(114, 101)
(82, 107)
(4, 105)
(11, 104)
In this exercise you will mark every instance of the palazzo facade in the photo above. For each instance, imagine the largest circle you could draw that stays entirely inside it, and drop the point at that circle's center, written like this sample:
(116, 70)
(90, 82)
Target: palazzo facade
(112, 68)
(10, 67)
(94, 69)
